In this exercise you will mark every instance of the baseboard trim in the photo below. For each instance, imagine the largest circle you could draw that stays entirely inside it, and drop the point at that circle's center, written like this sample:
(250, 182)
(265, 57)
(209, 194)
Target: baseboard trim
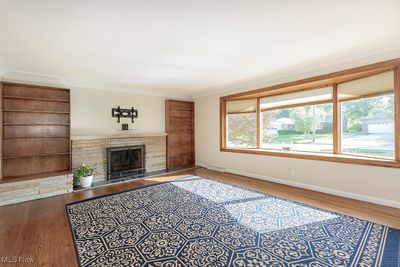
(326, 190)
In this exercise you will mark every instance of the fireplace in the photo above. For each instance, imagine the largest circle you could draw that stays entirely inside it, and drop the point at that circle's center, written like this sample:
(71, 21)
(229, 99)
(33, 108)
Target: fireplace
(126, 161)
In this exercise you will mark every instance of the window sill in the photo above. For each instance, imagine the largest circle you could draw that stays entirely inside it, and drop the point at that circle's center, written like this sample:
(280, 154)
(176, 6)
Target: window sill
(319, 156)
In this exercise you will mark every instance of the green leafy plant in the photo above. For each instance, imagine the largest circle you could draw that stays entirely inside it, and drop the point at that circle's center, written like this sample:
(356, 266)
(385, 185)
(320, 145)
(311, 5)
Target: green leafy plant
(83, 171)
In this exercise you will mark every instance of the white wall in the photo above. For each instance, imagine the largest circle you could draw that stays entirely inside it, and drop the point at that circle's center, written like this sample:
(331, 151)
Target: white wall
(91, 105)
(2, 68)
(91, 112)
(374, 184)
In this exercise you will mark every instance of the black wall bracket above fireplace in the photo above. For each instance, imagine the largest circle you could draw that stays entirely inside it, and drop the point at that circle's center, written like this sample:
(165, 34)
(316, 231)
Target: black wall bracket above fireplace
(124, 113)
(126, 161)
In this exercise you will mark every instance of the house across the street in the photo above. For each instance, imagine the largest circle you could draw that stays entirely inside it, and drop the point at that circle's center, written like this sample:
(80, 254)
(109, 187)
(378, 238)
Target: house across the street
(378, 124)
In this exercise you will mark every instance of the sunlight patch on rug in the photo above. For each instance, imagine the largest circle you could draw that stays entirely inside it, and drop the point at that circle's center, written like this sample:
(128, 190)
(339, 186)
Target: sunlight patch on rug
(264, 215)
(215, 191)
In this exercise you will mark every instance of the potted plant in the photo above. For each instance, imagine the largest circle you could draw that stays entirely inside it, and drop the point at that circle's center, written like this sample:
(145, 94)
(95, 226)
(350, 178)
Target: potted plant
(84, 175)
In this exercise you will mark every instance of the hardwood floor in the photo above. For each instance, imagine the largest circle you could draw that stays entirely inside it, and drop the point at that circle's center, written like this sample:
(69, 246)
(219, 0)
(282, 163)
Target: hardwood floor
(39, 229)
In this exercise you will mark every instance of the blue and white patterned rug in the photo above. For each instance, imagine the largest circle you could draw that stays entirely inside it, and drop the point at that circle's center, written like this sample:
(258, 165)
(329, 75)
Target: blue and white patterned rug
(196, 221)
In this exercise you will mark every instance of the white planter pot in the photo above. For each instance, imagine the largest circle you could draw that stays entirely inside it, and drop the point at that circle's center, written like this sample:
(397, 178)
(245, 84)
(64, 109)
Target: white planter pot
(86, 181)
(77, 183)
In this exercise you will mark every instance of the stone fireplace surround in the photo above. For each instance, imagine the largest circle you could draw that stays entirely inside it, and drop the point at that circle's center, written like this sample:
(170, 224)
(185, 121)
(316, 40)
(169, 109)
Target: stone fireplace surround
(91, 150)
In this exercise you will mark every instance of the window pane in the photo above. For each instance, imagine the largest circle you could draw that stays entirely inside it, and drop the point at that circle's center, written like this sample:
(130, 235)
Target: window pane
(241, 123)
(368, 126)
(306, 128)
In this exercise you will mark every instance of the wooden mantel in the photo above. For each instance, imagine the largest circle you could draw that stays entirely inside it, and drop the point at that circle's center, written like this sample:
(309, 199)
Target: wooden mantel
(92, 137)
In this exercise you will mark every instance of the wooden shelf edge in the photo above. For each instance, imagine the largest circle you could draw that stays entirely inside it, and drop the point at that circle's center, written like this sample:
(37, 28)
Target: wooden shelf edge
(35, 124)
(36, 156)
(179, 144)
(340, 158)
(182, 154)
(36, 111)
(37, 137)
(10, 179)
(180, 131)
(35, 98)
(181, 117)
(37, 86)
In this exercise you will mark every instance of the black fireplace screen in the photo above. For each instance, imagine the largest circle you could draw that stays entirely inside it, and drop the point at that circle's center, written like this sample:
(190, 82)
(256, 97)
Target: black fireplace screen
(125, 161)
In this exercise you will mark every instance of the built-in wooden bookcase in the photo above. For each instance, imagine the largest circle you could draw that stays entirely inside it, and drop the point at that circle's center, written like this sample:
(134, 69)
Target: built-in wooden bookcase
(35, 131)
(179, 125)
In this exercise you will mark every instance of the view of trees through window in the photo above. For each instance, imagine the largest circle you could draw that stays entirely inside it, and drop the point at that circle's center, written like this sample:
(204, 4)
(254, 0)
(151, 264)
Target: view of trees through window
(305, 128)
(303, 120)
(368, 126)
(242, 130)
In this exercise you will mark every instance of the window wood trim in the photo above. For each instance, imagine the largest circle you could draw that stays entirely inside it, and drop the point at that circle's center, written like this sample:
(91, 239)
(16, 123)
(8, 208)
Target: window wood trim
(341, 158)
(397, 112)
(258, 127)
(337, 121)
(222, 122)
(309, 84)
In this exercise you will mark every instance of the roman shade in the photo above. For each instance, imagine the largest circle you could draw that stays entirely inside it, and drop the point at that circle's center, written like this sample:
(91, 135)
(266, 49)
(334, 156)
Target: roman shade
(241, 106)
(377, 84)
(315, 96)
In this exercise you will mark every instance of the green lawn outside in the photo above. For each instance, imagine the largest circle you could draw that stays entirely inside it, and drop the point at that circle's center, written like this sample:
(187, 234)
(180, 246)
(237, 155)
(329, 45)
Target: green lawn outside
(302, 138)
(371, 152)
(319, 138)
(360, 143)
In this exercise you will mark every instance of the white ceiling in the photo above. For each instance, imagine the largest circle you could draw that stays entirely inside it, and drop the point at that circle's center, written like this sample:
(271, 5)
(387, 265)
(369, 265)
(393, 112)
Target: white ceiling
(188, 47)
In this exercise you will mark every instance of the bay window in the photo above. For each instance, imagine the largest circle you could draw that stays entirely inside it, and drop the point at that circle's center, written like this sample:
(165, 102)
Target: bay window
(351, 116)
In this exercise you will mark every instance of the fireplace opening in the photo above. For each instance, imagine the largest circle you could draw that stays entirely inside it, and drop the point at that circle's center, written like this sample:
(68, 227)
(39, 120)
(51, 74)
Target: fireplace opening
(125, 161)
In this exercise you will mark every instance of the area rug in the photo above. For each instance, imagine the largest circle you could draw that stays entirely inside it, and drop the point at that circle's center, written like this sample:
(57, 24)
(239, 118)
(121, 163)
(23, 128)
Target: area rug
(196, 221)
